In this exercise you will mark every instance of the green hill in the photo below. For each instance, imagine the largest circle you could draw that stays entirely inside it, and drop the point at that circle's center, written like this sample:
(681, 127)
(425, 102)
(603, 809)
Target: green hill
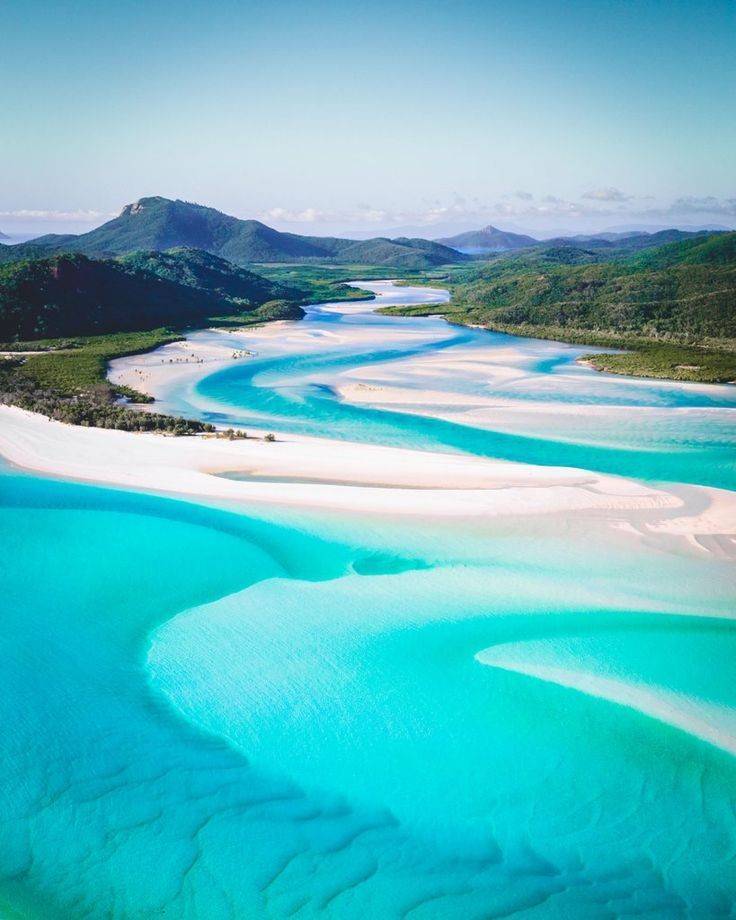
(71, 295)
(196, 268)
(620, 245)
(717, 250)
(160, 224)
(75, 295)
(681, 291)
(75, 314)
(680, 296)
(602, 246)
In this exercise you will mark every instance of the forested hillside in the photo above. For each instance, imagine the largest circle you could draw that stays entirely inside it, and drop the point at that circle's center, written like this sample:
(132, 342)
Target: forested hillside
(675, 304)
(160, 224)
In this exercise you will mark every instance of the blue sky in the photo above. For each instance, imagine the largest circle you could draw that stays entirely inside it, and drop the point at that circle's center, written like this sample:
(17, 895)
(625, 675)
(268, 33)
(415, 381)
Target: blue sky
(330, 116)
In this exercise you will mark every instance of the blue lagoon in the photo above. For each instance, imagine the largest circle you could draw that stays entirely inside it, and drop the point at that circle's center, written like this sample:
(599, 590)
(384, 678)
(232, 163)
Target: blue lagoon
(521, 706)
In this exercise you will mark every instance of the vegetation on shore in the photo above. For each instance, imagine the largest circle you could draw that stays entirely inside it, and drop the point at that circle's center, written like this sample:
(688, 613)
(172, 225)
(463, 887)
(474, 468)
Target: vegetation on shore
(328, 283)
(66, 298)
(673, 307)
(669, 362)
(67, 382)
(64, 377)
(75, 366)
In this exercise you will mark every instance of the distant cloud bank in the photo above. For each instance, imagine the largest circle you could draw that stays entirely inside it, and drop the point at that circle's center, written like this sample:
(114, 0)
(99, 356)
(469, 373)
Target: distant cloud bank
(598, 206)
(594, 209)
(29, 214)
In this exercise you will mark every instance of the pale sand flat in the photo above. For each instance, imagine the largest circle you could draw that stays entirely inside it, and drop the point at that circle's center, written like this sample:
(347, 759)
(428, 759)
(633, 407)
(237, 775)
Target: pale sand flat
(434, 484)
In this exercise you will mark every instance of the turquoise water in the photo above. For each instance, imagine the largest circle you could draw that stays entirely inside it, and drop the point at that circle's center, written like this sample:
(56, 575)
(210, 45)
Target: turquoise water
(314, 410)
(688, 434)
(214, 713)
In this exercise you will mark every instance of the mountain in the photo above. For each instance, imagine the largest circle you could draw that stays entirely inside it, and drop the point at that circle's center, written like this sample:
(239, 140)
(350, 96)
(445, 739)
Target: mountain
(684, 290)
(488, 239)
(491, 240)
(69, 295)
(161, 224)
(4, 236)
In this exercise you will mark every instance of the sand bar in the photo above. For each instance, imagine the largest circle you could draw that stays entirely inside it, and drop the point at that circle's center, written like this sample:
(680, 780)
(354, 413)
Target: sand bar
(434, 483)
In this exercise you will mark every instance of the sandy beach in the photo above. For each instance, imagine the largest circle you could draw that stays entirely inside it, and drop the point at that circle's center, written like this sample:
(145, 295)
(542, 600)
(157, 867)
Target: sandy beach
(320, 473)
(323, 473)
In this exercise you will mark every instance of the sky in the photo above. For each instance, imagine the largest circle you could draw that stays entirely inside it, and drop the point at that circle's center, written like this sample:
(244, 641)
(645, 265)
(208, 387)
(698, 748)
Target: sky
(321, 117)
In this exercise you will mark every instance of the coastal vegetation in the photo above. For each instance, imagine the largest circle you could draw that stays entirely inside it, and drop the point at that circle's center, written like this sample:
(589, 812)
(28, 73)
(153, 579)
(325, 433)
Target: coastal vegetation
(63, 318)
(328, 283)
(65, 380)
(673, 306)
(670, 362)
(51, 308)
(71, 295)
(90, 407)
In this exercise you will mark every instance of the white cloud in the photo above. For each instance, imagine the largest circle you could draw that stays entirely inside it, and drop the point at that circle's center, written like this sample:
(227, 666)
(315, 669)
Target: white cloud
(548, 206)
(433, 213)
(607, 194)
(364, 214)
(51, 216)
(596, 207)
(704, 205)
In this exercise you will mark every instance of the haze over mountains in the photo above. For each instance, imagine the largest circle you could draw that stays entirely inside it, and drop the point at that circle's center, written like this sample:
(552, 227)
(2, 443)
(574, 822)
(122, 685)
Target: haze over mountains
(488, 239)
(160, 224)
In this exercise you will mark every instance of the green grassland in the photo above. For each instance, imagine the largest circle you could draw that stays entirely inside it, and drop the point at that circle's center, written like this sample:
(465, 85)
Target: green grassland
(670, 362)
(327, 283)
(75, 367)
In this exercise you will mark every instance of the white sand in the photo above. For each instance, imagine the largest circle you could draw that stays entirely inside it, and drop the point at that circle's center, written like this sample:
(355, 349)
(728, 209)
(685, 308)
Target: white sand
(365, 478)
(381, 479)
(172, 364)
(709, 721)
(202, 354)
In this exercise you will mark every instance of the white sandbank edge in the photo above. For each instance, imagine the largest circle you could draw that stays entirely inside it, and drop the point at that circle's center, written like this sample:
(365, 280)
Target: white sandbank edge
(381, 479)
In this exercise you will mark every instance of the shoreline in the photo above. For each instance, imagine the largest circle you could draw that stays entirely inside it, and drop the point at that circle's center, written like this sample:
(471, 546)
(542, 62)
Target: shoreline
(186, 359)
(308, 473)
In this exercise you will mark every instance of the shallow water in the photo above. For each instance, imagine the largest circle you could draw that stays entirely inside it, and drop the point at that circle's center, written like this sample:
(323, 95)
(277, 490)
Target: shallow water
(212, 713)
(650, 430)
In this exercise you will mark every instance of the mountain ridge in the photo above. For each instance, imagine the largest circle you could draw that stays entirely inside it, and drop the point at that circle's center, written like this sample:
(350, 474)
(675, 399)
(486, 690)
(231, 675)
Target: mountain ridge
(157, 223)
